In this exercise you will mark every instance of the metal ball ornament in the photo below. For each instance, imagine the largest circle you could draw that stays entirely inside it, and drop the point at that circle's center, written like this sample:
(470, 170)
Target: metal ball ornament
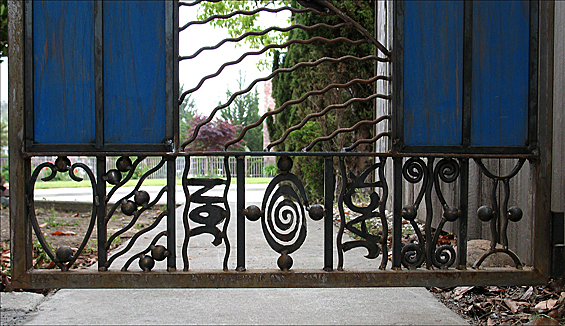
(284, 262)
(146, 263)
(113, 177)
(485, 213)
(253, 213)
(129, 208)
(124, 164)
(159, 253)
(451, 214)
(285, 164)
(141, 197)
(409, 213)
(62, 163)
(515, 214)
(316, 212)
(64, 254)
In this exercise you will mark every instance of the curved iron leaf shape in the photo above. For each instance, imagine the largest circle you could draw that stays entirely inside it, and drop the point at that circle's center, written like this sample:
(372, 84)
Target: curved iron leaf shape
(64, 261)
(147, 262)
(135, 189)
(135, 217)
(415, 170)
(134, 239)
(499, 216)
(210, 214)
(448, 171)
(375, 208)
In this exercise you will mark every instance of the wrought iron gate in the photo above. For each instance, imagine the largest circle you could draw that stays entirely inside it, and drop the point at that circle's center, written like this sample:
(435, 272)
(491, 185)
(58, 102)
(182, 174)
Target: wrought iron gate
(406, 146)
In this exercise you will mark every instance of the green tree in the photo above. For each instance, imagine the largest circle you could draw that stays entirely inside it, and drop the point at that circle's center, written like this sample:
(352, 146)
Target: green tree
(240, 24)
(3, 133)
(187, 111)
(3, 28)
(295, 84)
(244, 111)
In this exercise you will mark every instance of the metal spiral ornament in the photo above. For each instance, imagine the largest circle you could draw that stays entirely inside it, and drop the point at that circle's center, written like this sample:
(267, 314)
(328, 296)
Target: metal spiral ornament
(446, 170)
(284, 218)
(414, 170)
(444, 256)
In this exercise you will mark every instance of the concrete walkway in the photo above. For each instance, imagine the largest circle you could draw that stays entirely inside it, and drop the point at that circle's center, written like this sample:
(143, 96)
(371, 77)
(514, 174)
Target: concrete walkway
(356, 306)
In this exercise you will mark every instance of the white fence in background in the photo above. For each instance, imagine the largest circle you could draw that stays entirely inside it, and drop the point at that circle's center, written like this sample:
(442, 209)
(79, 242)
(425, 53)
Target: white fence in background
(200, 166)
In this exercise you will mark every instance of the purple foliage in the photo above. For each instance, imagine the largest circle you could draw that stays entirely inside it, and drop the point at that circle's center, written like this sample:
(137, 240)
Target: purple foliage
(213, 135)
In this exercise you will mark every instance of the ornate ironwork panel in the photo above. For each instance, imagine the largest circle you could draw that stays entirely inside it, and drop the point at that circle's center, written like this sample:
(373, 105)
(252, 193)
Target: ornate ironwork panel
(392, 177)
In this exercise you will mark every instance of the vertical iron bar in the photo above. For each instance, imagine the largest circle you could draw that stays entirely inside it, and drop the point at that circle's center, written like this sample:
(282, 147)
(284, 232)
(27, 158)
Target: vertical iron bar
(240, 217)
(171, 78)
(98, 74)
(100, 201)
(430, 246)
(398, 77)
(171, 218)
(328, 210)
(462, 222)
(467, 70)
(397, 218)
(533, 75)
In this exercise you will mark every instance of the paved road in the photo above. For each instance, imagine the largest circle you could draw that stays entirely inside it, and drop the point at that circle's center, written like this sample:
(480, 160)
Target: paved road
(253, 192)
(358, 306)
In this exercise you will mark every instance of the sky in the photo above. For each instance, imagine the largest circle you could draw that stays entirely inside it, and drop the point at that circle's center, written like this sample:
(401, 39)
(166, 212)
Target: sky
(208, 62)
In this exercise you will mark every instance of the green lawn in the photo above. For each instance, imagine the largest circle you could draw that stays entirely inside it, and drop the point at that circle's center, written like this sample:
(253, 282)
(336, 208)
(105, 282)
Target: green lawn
(131, 183)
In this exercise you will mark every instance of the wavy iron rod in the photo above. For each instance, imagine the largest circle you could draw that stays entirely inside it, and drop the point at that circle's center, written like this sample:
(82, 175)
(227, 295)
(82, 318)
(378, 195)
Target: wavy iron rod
(300, 100)
(274, 73)
(321, 113)
(195, 2)
(265, 49)
(342, 130)
(135, 217)
(362, 141)
(360, 28)
(135, 237)
(259, 33)
(249, 13)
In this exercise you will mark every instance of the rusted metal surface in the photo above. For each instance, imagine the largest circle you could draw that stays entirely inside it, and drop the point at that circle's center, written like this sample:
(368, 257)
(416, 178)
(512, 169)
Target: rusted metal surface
(272, 278)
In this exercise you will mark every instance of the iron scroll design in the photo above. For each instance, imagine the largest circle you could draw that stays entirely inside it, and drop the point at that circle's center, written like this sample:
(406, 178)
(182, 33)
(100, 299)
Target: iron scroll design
(375, 208)
(414, 254)
(414, 171)
(284, 211)
(210, 214)
(64, 257)
(499, 215)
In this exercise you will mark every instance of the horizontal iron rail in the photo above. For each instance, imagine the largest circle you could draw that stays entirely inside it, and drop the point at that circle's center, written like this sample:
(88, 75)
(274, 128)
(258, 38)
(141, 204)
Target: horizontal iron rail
(273, 278)
(531, 156)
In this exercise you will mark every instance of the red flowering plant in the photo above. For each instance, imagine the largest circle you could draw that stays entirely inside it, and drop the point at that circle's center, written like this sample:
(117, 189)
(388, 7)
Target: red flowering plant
(213, 135)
